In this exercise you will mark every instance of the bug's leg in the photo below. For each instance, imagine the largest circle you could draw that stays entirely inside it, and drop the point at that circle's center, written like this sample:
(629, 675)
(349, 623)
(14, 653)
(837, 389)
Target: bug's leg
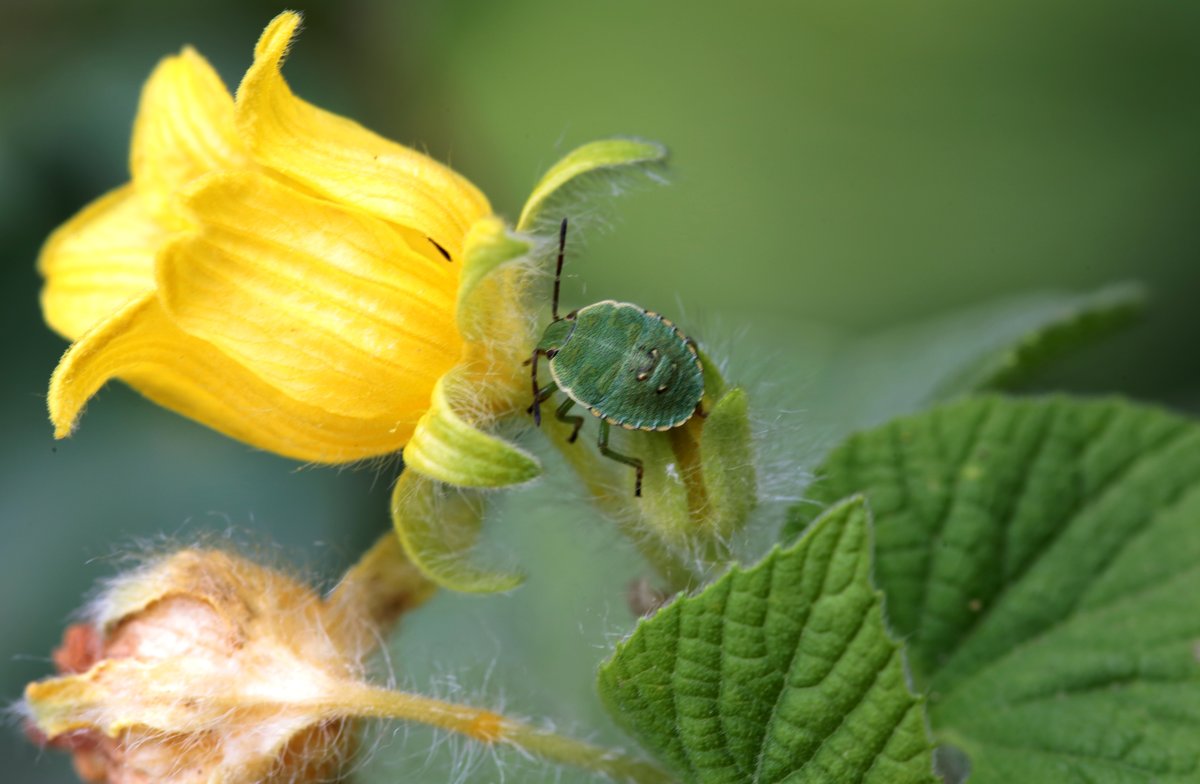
(561, 416)
(542, 396)
(536, 405)
(620, 458)
(700, 412)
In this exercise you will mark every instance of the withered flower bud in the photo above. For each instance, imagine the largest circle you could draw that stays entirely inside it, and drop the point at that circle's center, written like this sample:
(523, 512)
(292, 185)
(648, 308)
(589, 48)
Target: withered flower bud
(203, 667)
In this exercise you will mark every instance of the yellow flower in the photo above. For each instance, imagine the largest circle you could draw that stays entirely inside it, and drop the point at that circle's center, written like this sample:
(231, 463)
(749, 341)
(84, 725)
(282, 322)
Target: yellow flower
(274, 271)
(293, 280)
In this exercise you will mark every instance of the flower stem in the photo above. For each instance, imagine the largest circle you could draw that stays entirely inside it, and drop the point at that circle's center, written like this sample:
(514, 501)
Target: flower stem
(372, 595)
(492, 728)
(376, 591)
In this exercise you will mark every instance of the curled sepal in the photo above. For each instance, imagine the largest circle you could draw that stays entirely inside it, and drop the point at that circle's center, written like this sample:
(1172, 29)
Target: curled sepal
(438, 526)
(449, 448)
(595, 166)
(489, 248)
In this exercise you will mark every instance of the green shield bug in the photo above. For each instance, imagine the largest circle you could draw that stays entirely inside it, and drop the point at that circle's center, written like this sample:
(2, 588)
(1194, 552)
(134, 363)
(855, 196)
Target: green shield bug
(627, 365)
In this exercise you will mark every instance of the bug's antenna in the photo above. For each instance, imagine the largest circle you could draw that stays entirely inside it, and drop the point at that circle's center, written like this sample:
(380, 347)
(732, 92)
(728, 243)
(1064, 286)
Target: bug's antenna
(562, 243)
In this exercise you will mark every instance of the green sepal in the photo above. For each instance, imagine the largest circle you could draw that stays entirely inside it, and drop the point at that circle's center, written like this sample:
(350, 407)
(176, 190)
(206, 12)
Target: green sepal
(591, 167)
(784, 671)
(714, 382)
(699, 486)
(439, 526)
(489, 247)
(664, 512)
(727, 463)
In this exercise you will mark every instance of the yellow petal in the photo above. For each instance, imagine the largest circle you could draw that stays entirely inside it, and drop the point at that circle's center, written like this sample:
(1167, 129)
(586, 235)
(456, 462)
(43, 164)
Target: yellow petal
(184, 129)
(339, 158)
(327, 304)
(98, 261)
(142, 347)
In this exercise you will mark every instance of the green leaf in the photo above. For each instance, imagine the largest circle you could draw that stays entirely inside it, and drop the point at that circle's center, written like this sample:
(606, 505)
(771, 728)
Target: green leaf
(783, 671)
(849, 383)
(1065, 327)
(1041, 559)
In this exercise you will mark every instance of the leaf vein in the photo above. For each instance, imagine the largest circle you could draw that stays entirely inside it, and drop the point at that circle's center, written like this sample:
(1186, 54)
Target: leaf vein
(768, 729)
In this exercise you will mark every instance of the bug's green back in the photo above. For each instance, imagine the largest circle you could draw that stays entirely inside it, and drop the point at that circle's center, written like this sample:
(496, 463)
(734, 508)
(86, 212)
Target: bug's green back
(614, 344)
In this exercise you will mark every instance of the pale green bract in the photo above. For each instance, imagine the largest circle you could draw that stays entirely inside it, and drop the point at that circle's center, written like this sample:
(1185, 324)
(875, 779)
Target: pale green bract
(780, 672)
(1041, 559)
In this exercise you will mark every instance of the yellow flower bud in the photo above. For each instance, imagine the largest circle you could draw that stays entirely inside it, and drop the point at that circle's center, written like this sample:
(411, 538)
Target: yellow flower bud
(203, 667)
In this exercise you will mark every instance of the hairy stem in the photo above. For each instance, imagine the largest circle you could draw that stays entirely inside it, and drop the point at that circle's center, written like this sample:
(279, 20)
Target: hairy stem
(492, 728)
(376, 591)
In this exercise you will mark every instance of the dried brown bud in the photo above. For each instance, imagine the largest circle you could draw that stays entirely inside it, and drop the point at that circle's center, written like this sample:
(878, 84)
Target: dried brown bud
(204, 667)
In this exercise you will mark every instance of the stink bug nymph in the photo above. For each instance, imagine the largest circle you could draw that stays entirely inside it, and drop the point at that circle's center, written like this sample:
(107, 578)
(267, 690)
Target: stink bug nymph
(627, 365)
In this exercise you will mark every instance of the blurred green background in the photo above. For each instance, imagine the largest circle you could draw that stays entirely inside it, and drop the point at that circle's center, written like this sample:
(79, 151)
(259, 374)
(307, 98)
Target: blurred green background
(840, 168)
